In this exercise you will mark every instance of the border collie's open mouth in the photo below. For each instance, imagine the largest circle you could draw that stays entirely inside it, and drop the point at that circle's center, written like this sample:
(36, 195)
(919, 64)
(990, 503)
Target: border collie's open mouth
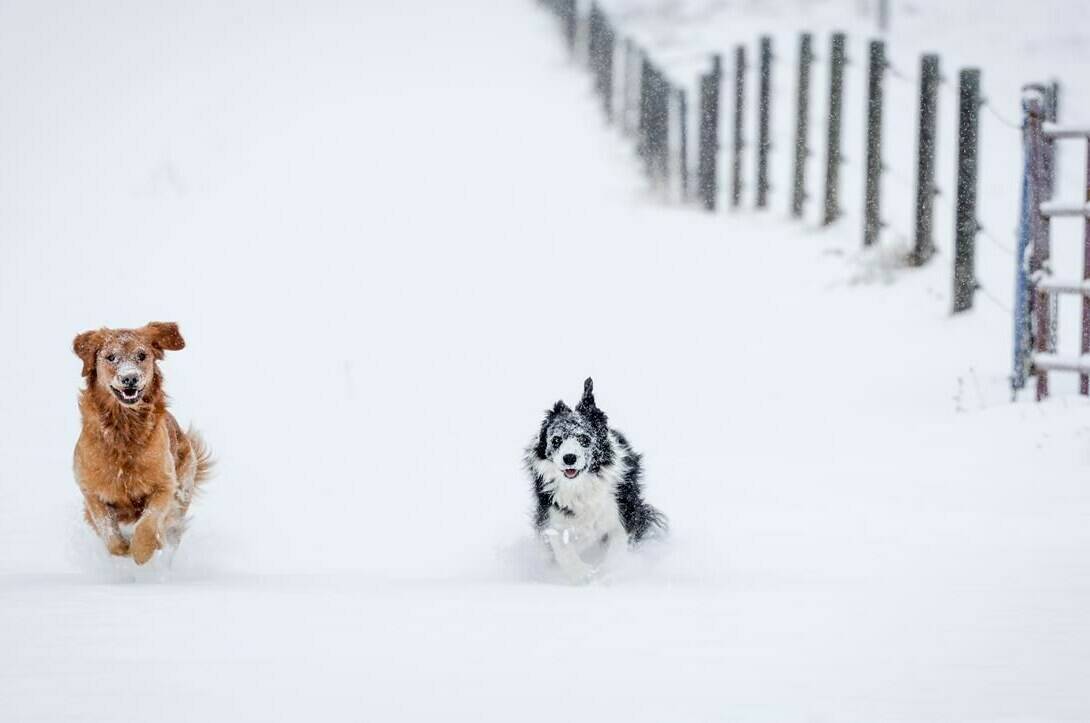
(128, 395)
(571, 473)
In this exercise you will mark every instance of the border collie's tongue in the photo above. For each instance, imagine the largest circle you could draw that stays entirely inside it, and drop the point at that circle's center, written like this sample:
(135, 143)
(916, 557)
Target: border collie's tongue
(571, 473)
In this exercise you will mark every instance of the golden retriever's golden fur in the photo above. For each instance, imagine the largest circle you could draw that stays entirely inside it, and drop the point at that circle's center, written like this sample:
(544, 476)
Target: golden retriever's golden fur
(133, 463)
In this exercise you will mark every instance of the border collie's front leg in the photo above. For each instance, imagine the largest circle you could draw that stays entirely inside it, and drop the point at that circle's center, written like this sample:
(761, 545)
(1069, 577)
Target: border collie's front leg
(566, 556)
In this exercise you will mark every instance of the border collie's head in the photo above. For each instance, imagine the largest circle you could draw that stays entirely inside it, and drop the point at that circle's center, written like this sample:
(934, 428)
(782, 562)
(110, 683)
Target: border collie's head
(575, 441)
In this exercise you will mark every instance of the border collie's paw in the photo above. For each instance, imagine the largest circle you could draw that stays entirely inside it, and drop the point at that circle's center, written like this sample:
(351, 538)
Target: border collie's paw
(580, 573)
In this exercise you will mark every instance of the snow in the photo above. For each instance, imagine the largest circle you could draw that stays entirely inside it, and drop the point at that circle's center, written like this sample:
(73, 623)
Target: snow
(392, 235)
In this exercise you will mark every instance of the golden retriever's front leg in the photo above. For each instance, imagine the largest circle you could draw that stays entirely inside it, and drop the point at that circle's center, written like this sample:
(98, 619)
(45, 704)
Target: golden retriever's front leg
(145, 538)
(104, 523)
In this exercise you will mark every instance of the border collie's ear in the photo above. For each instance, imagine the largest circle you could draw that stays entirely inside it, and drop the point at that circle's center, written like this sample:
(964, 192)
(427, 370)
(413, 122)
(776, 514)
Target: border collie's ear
(542, 443)
(587, 402)
(165, 335)
(589, 408)
(86, 347)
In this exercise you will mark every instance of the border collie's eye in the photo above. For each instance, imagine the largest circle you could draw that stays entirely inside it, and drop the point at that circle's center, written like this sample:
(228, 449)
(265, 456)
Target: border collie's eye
(112, 358)
(556, 441)
(141, 357)
(584, 440)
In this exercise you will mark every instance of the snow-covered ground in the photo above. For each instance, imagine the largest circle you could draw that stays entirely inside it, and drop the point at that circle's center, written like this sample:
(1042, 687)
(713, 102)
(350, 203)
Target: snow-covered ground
(392, 235)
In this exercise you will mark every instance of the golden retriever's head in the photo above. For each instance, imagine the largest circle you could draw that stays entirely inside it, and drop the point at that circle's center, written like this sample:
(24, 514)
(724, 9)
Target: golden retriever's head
(122, 361)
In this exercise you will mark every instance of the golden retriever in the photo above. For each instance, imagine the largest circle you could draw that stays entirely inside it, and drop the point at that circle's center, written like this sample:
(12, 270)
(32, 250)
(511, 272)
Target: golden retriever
(133, 463)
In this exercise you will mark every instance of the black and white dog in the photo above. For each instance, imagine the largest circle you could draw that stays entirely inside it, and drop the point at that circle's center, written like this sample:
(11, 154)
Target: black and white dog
(587, 486)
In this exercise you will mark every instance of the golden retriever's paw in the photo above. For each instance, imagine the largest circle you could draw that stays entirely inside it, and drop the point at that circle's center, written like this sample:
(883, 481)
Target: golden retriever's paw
(145, 541)
(118, 546)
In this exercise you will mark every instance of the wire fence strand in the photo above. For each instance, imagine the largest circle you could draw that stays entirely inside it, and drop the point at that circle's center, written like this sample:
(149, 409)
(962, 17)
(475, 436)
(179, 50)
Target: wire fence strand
(898, 74)
(992, 298)
(991, 109)
(995, 242)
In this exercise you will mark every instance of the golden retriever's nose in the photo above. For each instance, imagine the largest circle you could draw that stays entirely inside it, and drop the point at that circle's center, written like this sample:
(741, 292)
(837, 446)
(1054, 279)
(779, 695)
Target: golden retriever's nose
(129, 380)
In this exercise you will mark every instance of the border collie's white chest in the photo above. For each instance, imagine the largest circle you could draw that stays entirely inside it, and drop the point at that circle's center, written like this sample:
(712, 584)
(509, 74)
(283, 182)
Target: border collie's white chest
(585, 509)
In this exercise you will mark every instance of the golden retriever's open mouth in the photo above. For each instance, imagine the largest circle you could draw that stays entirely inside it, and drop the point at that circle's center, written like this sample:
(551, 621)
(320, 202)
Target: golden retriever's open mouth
(127, 395)
(571, 473)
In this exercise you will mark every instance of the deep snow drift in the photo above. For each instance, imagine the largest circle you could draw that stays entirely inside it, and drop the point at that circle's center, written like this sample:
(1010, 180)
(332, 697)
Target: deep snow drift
(392, 235)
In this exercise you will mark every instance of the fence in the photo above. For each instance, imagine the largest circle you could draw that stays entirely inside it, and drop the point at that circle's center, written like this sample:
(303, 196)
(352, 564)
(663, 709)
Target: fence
(661, 132)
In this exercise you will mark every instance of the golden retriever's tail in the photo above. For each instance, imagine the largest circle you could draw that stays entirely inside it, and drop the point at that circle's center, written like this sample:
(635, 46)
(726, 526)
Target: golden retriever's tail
(205, 463)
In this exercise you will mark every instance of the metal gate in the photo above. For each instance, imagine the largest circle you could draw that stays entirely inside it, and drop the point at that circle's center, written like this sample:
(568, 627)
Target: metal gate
(1037, 289)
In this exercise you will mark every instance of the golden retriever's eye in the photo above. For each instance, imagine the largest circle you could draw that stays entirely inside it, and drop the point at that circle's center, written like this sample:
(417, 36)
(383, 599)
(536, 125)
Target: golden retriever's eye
(584, 440)
(112, 358)
(141, 356)
(556, 441)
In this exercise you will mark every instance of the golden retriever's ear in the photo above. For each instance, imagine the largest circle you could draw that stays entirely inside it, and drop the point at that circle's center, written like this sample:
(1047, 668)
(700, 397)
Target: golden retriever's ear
(165, 335)
(86, 347)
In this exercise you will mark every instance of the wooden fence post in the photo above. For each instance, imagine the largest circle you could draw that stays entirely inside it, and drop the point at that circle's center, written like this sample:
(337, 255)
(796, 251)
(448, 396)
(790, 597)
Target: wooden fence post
(802, 125)
(832, 154)
(709, 135)
(596, 49)
(594, 28)
(652, 122)
(924, 246)
(656, 119)
(571, 24)
(739, 119)
(966, 225)
(764, 110)
(872, 207)
(608, 49)
(683, 143)
(629, 86)
(643, 147)
(662, 129)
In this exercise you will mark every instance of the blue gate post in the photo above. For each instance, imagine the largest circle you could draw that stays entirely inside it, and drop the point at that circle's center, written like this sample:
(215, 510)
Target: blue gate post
(1020, 361)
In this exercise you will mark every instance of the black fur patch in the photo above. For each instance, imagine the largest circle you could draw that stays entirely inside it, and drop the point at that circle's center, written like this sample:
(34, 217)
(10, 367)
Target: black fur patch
(599, 424)
(544, 502)
(542, 448)
(638, 517)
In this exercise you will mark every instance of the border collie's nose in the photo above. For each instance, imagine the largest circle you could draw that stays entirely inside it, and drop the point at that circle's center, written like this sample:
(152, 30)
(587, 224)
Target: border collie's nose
(129, 380)
(569, 459)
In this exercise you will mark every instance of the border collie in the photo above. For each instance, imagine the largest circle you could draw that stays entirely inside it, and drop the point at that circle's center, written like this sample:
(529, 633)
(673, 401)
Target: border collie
(587, 487)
